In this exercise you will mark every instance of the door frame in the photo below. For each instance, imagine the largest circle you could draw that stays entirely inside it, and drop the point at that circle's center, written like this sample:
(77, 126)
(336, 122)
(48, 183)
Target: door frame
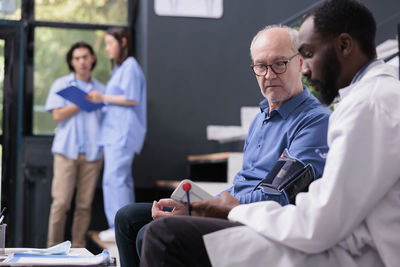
(12, 33)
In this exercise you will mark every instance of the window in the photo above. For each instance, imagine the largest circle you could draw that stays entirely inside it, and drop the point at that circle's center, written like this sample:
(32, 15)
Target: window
(50, 28)
(51, 47)
(10, 9)
(83, 11)
(2, 67)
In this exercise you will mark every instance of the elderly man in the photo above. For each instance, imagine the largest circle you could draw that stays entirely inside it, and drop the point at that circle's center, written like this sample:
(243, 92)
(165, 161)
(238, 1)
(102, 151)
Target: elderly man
(350, 216)
(291, 120)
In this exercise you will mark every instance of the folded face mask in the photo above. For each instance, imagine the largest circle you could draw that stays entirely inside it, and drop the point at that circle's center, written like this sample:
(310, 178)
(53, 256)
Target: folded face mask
(59, 249)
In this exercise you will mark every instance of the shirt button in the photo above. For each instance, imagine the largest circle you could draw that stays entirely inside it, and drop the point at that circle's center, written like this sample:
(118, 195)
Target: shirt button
(259, 146)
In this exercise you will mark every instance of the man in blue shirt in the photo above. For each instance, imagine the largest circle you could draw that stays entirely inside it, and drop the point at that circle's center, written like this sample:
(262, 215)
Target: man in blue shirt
(290, 119)
(350, 216)
(77, 156)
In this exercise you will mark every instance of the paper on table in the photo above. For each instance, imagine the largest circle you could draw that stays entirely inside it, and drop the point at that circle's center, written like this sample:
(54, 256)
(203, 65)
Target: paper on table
(37, 259)
(78, 97)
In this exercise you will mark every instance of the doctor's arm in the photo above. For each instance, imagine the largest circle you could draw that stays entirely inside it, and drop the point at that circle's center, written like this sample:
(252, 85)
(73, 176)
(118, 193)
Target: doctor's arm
(362, 152)
(98, 97)
(60, 114)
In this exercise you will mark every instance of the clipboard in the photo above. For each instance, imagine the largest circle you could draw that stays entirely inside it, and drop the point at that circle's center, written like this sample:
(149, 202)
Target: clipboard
(78, 97)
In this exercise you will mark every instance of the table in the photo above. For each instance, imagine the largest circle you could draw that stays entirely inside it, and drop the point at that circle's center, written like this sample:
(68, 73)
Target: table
(81, 252)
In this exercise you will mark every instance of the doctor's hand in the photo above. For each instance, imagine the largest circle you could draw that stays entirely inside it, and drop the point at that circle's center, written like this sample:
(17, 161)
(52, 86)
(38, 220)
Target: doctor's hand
(95, 97)
(215, 207)
(177, 208)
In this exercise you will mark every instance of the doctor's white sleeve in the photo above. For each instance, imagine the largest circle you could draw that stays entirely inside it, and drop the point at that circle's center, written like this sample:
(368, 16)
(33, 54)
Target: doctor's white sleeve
(362, 165)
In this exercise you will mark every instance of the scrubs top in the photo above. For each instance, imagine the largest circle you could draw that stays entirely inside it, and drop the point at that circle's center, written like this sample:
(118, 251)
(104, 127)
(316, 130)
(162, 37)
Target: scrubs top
(125, 125)
(67, 139)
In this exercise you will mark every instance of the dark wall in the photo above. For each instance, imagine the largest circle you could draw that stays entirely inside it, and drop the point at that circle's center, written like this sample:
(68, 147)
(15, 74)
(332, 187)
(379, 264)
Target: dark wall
(198, 74)
(387, 15)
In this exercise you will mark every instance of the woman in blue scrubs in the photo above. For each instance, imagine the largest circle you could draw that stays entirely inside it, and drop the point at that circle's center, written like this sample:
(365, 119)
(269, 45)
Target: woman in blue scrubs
(124, 124)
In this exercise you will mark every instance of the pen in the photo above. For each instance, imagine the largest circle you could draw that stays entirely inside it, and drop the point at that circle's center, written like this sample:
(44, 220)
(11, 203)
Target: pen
(2, 215)
(188, 203)
(186, 187)
(2, 211)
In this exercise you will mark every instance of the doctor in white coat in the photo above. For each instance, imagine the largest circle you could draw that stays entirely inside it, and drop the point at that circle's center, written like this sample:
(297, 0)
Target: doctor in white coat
(350, 217)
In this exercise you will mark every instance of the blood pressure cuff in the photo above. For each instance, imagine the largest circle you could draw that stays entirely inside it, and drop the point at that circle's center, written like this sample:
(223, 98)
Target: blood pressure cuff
(287, 178)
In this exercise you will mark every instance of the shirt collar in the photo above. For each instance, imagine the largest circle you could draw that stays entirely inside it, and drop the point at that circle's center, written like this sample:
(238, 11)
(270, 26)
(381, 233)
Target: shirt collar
(71, 77)
(72, 80)
(361, 71)
(288, 106)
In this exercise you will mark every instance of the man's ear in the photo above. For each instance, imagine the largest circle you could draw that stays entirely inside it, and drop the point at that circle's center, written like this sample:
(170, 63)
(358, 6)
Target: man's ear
(93, 59)
(301, 61)
(344, 44)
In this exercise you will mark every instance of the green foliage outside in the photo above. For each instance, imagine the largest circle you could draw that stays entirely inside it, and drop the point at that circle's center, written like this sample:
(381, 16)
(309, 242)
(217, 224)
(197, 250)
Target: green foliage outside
(51, 47)
(82, 11)
(11, 15)
(312, 90)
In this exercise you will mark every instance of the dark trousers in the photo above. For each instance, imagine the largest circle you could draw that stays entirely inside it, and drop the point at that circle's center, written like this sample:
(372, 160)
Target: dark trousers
(178, 241)
(128, 234)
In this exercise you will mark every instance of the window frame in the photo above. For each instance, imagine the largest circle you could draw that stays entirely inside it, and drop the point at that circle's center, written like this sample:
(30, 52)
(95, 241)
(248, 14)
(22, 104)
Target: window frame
(29, 22)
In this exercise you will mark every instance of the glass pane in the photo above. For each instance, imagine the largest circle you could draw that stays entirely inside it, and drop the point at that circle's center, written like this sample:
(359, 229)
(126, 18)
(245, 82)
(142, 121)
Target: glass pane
(51, 47)
(88, 11)
(2, 62)
(10, 9)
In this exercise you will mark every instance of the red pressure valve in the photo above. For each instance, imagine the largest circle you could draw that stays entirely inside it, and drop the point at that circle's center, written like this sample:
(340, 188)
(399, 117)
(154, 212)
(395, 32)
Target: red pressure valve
(186, 186)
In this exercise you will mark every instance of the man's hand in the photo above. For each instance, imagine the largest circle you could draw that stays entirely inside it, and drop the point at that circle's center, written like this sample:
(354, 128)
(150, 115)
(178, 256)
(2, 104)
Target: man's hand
(95, 97)
(157, 209)
(216, 207)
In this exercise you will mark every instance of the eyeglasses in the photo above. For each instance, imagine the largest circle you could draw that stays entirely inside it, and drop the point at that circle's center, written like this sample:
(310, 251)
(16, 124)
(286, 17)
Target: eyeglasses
(277, 67)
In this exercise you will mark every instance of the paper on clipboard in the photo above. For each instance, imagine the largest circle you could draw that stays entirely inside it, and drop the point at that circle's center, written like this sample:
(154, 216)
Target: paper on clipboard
(78, 97)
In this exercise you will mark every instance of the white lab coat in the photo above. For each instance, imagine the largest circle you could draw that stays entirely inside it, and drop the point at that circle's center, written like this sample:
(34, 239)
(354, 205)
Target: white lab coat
(349, 217)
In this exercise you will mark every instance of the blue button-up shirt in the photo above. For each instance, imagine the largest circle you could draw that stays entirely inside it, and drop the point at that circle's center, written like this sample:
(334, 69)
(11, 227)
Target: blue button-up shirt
(67, 140)
(300, 125)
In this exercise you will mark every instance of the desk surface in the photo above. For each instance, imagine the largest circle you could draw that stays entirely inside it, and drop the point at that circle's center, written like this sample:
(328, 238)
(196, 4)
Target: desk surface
(209, 157)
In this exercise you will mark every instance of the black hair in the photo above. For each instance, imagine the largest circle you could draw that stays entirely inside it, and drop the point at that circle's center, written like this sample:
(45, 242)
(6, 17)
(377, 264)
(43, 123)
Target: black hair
(334, 17)
(76, 46)
(119, 33)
